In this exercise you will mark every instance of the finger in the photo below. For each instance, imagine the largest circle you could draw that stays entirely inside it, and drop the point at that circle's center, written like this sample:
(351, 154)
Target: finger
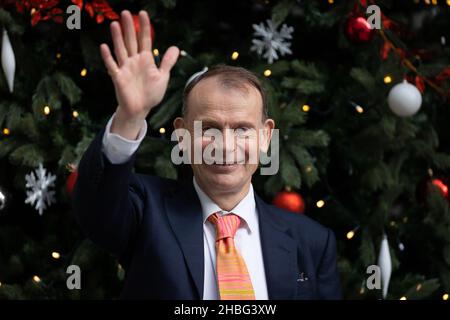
(145, 38)
(129, 32)
(169, 59)
(119, 46)
(108, 59)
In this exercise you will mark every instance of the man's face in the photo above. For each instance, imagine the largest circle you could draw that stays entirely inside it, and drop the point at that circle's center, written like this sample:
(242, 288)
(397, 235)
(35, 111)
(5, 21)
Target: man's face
(237, 114)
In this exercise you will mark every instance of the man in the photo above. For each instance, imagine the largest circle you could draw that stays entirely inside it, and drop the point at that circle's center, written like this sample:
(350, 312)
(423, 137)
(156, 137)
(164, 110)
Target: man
(210, 238)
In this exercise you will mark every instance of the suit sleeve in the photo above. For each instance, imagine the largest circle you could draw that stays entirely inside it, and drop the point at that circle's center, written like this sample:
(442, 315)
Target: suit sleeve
(329, 286)
(108, 199)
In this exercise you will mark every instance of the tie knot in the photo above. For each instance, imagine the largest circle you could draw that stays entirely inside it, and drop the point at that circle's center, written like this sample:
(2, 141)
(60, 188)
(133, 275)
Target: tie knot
(226, 225)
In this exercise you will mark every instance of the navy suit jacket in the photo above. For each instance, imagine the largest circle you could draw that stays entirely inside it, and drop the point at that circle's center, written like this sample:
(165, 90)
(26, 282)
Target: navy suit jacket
(155, 228)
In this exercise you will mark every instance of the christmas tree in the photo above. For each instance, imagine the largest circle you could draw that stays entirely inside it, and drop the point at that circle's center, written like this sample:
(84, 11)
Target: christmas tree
(359, 90)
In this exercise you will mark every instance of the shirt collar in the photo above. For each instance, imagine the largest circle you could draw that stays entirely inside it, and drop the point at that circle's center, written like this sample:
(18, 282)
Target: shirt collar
(245, 209)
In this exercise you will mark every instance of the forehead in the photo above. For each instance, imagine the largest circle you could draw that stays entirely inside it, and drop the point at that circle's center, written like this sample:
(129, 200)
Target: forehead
(213, 98)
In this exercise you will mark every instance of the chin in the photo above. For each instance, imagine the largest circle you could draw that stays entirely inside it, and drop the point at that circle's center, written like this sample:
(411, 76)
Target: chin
(224, 179)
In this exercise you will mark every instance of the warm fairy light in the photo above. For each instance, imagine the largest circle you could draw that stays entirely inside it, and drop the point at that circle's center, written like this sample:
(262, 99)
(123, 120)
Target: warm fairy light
(33, 10)
(434, 2)
(320, 203)
(350, 234)
(448, 2)
(58, 55)
(6, 131)
(75, 114)
(56, 255)
(403, 298)
(162, 130)
(155, 52)
(83, 72)
(0, 284)
(418, 287)
(267, 72)
(445, 296)
(387, 79)
(359, 109)
(234, 55)
(306, 108)
(183, 53)
(46, 110)
(36, 279)
(361, 291)
(330, 1)
(308, 169)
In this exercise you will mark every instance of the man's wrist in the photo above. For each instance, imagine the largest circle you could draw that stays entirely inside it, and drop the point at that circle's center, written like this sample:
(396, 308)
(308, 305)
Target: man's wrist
(126, 126)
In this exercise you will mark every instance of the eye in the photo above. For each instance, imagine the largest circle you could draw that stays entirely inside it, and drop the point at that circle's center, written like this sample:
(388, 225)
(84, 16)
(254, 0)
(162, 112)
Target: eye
(241, 131)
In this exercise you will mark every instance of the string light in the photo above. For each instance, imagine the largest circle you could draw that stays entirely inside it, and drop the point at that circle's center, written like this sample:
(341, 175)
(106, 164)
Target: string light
(6, 131)
(387, 79)
(33, 10)
(56, 255)
(58, 55)
(448, 2)
(330, 1)
(308, 169)
(83, 72)
(445, 296)
(267, 72)
(427, 1)
(306, 108)
(46, 110)
(320, 203)
(234, 55)
(361, 291)
(359, 109)
(434, 2)
(419, 286)
(0, 283)
(36, 279)
(155, 52)
(350, 234)
(403, 298)
(162, 130)
(75, 114)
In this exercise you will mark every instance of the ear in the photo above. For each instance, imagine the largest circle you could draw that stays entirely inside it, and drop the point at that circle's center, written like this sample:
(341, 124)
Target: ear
(266, 136)
(179, 123)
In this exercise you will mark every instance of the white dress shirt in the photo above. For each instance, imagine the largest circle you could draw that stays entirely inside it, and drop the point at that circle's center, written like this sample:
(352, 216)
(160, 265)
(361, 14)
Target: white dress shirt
(247, 239)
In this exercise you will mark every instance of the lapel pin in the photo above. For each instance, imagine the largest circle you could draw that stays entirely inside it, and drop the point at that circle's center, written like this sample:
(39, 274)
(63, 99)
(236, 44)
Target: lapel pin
(302, 277)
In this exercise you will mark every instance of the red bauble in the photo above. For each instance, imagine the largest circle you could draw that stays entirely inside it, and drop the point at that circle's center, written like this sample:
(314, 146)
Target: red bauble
(357, 29)
(70, 183)
(441, 186)
(137, 26)
(290, 200)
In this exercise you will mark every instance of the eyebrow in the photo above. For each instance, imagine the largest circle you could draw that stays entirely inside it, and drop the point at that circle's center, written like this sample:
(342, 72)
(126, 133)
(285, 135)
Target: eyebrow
(213, 123)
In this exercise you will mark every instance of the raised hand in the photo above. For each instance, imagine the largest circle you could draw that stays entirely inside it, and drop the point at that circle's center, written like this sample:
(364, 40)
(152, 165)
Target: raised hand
(139, 84)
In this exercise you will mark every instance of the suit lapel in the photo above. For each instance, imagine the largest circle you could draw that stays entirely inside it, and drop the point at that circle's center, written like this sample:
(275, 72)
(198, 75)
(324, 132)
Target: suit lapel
(185, 217)
(279, 254)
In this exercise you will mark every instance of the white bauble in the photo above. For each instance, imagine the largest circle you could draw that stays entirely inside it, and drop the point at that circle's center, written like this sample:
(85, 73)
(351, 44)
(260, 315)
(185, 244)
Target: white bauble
(8, 60)
(404, 99)
(385, 264)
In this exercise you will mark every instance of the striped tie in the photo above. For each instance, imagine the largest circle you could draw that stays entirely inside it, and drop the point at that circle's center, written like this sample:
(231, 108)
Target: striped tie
(232, 275)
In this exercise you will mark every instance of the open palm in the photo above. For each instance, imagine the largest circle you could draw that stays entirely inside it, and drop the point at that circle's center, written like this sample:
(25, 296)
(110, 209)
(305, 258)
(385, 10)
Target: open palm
(139, 84)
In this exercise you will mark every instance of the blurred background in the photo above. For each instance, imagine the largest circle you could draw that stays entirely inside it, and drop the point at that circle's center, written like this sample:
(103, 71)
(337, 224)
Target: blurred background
(361, 100)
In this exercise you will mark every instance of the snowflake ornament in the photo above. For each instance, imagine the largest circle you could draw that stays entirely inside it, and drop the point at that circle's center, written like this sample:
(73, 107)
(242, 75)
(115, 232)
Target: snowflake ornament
(39, 193)
(272, 40)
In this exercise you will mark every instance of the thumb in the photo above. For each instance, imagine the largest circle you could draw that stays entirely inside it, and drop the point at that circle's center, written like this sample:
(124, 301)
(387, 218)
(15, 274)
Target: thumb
(169, 59)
